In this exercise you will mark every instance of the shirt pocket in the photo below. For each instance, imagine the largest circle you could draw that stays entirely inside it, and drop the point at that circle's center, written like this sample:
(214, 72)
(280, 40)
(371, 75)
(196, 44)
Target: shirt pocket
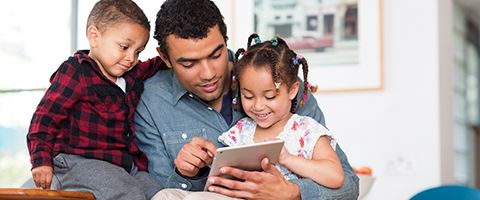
(175, 140)
(107, 99)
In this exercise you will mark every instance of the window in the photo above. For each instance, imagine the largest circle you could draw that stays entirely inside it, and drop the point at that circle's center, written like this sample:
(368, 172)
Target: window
(34, 43)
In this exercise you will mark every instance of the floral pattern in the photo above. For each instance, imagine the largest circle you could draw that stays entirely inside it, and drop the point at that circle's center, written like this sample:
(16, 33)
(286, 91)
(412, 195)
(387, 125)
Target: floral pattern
(300, 135)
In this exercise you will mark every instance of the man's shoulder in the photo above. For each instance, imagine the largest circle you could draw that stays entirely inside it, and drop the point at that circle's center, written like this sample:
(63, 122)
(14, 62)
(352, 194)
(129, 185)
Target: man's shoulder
(161, 81)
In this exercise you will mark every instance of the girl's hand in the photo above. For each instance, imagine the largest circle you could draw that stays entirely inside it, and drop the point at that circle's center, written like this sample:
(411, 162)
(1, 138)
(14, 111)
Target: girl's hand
(42, 176)
(284, 156)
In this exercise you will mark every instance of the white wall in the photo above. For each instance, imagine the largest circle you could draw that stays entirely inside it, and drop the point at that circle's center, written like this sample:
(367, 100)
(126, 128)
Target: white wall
(397, 131)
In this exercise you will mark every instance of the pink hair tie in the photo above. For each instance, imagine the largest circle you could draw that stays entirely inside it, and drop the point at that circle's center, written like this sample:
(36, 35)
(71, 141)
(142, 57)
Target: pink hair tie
(245, 53)
(309, 86)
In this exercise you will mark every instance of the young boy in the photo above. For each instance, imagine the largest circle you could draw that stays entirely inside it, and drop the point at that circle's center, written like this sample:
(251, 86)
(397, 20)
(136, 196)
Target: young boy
(82, 132)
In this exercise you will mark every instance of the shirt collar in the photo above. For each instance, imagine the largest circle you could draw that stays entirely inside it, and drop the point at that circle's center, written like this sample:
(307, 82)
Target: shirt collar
(82, 56)
(178, 90)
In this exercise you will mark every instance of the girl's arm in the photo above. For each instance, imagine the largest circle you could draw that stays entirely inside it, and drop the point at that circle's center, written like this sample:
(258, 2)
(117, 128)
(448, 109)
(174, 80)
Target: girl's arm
(324, 168)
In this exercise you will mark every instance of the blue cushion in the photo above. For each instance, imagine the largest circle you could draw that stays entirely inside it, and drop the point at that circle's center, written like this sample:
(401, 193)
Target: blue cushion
(448, 192)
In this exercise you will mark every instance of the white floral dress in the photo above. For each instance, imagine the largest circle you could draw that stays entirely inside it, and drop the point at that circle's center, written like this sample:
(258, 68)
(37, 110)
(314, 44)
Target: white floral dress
(300, 135)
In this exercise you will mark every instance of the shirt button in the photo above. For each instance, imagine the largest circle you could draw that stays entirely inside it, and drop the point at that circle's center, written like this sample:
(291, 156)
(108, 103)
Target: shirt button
(210, 108)
(190, 95)
(184, 136)
(184, 186)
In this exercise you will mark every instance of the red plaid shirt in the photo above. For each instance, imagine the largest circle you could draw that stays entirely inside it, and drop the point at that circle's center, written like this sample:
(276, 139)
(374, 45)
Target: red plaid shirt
(83, 113)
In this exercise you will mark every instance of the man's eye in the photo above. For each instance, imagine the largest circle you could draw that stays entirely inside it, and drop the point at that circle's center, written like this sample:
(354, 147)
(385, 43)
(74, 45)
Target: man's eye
(188, 65)
(217, 55)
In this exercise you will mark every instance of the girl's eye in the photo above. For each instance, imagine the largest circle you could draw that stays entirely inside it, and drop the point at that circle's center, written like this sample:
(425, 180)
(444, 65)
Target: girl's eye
(123, 47)
(138, 52)
(270, 98)
(247, 97)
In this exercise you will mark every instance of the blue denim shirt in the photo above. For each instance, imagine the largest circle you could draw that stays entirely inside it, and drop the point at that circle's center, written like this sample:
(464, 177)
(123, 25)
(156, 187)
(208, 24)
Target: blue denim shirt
(168, 116)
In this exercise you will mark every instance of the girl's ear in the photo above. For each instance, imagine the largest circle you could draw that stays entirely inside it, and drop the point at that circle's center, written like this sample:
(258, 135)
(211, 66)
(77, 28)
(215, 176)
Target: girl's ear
(93, 34)
(292, 93)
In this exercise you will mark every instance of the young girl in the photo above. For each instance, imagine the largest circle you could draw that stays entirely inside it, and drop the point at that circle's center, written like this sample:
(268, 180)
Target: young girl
(268, 84)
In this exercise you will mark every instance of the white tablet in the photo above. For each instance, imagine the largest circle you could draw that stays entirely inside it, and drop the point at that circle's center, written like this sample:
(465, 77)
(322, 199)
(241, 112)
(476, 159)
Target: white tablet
(246, 157)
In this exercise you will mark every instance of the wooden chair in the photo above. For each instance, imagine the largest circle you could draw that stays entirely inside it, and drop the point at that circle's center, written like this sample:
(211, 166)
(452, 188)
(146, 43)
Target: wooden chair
(39, 194)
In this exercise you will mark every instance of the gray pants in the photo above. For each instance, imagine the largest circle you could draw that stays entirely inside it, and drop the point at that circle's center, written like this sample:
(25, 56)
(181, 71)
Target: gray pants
(103, 179)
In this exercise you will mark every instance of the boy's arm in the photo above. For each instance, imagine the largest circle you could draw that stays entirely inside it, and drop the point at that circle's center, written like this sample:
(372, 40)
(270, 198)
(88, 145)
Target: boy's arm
(308, 188)
(148, 68)
(52, 110)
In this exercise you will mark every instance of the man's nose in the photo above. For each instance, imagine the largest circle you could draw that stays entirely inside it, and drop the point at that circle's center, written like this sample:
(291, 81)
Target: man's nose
(207, 70)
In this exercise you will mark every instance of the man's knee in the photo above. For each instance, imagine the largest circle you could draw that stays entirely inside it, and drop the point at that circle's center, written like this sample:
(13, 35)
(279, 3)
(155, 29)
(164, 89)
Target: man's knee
(170, 194)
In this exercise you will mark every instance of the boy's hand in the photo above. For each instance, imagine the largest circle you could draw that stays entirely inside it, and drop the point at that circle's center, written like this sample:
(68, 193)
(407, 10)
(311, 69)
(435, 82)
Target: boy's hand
(42, 176)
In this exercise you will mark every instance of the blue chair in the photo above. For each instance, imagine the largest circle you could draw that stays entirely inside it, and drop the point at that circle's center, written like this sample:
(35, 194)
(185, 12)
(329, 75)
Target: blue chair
(448, 192)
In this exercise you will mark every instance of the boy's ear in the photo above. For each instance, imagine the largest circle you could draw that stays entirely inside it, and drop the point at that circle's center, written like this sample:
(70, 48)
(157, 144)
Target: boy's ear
(292, 93)
(164, 58)
(92, 35)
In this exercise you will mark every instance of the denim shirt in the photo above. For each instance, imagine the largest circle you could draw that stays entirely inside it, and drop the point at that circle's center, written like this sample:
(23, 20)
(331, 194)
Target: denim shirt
(168, 116)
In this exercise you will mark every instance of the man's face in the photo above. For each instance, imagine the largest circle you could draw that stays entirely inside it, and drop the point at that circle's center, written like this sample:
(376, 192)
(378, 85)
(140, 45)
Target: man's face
(201, 65)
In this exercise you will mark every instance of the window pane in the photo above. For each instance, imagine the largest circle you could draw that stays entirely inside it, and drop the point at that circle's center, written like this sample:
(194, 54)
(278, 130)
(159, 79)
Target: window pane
(34, 41)
(17, 109)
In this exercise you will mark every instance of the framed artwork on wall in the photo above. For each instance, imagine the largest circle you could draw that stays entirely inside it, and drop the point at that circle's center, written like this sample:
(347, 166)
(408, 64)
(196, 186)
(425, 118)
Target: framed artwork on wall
(341, 39)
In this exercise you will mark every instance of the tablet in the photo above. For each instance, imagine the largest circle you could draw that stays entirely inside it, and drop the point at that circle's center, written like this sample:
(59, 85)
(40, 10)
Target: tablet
(246, 157)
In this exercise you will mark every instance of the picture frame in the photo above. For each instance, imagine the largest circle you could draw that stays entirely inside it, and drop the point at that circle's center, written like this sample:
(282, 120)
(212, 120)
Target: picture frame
(366, 74)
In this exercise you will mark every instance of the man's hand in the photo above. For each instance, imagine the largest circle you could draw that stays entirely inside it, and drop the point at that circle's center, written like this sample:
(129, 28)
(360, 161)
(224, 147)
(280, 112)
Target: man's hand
(42, 176)
(269, 184)
(194, 155)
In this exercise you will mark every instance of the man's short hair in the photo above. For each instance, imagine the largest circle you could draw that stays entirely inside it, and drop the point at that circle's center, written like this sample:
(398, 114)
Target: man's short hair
(187, 19)
(106, 13)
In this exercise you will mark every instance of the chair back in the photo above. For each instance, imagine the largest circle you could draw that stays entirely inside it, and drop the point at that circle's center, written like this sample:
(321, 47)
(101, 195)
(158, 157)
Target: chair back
(448, 192)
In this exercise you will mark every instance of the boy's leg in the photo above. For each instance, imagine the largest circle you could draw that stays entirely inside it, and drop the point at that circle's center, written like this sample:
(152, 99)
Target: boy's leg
(146, 182)
(103, 179)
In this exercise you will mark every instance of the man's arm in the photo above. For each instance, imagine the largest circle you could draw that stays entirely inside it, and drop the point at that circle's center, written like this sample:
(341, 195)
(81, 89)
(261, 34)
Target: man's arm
(308, 188)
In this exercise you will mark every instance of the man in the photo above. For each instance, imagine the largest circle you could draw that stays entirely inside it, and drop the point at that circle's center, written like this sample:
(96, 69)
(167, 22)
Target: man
(183, 110)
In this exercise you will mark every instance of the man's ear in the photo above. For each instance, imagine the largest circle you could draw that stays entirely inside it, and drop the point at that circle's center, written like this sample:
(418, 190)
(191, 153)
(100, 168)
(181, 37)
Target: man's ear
(93, 34)
(292, 92)
(164, 58)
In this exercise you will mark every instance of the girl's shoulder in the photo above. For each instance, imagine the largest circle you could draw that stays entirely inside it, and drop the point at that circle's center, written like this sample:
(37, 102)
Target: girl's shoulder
(240, 133)
(305, 122)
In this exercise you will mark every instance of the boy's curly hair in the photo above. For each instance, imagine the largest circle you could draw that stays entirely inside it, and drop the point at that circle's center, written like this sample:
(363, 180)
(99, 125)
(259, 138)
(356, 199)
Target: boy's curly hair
(106, 13)
(187, 19)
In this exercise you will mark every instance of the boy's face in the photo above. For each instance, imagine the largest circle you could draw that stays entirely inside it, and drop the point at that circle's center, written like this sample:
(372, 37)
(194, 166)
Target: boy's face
(201, 65)
(116, 49)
